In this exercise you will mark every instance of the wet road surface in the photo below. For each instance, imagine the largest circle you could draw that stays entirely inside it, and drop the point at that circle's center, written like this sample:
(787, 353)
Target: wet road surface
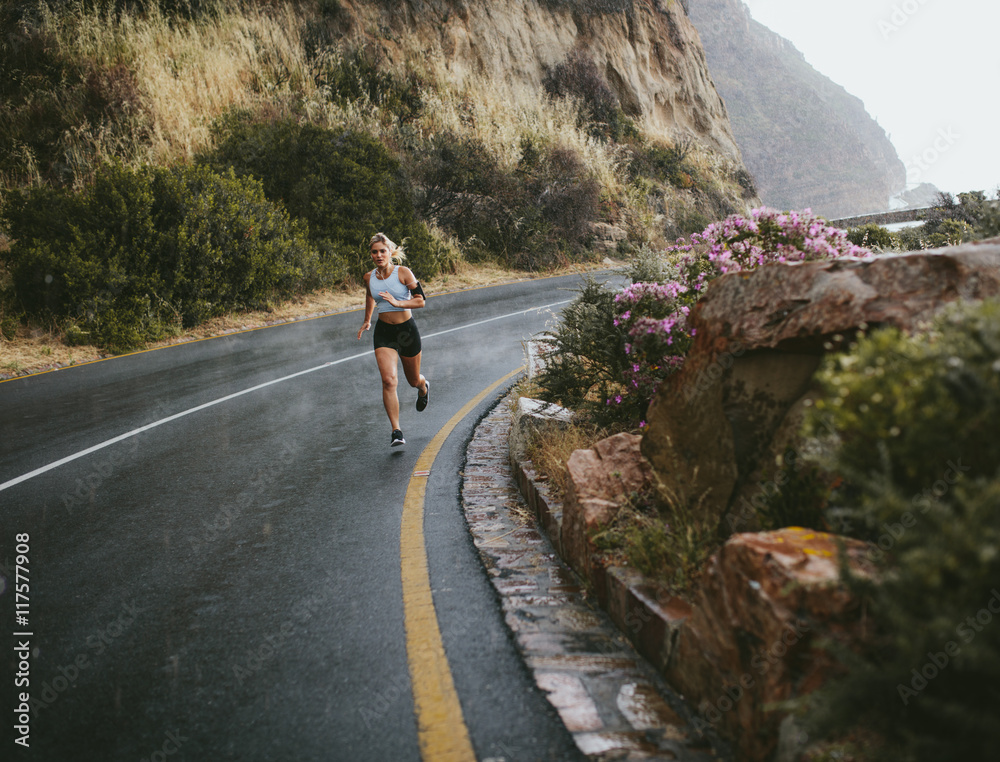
(214, 546)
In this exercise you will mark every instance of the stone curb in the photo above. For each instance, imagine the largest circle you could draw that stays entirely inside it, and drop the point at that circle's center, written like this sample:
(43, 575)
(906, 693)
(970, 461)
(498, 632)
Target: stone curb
(632, 603)
(610, 698)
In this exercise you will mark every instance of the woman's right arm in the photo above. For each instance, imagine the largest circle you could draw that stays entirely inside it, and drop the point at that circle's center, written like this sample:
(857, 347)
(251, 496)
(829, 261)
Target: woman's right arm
(369, 308)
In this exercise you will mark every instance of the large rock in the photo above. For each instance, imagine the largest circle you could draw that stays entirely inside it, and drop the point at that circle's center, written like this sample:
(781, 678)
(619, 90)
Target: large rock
(600, 480)
(717, 427)
(766, 602)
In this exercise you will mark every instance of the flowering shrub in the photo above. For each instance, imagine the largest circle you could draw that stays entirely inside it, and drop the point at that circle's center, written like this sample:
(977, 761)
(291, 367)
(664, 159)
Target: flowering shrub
(612, 350)
(655, 315)
(737, 243)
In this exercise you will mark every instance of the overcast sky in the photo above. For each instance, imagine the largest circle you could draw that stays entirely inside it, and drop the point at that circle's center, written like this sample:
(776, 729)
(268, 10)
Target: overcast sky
(927, 70)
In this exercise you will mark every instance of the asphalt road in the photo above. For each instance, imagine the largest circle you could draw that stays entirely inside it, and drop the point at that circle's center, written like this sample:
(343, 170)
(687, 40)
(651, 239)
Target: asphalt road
(213, 547)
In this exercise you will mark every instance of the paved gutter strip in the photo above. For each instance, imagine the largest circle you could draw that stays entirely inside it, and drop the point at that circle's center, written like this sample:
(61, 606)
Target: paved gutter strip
(613, 702)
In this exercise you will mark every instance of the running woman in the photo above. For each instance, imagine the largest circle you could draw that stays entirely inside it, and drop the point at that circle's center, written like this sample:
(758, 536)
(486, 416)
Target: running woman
(394, 291)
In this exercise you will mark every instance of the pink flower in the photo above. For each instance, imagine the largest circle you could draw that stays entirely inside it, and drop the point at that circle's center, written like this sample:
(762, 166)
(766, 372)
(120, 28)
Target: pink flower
(655, 315)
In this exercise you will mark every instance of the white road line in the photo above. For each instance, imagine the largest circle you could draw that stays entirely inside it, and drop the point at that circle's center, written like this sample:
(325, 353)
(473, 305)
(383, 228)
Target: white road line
(134, 432)
(500, 317)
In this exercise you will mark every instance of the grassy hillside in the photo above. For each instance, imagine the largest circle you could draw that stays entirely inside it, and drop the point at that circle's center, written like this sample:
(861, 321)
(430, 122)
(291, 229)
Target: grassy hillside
(203, 107)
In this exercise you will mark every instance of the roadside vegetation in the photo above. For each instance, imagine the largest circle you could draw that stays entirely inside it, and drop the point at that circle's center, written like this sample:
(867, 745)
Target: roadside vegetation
(613, 347)
(912, 470)
(261, 150)
(916, 464)
(972, 216)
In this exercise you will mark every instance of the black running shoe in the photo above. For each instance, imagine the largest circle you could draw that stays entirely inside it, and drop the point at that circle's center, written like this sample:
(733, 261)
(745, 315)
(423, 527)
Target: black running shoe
(397, 438)
(422, 398)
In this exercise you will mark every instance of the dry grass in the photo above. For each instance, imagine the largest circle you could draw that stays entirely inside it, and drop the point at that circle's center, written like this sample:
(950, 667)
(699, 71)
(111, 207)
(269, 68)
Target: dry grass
(190, 72)
(550, 450)
(500, 119)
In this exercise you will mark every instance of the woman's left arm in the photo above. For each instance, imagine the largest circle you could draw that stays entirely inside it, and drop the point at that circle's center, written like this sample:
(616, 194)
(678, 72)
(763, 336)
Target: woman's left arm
(416, 300)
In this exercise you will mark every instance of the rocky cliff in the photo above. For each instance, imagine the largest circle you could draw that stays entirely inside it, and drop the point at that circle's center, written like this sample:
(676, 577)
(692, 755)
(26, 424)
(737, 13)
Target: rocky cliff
(807, 141)
(648, 51)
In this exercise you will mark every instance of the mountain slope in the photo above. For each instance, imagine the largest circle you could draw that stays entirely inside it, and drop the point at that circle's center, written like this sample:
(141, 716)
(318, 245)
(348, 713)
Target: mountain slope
(806, 140)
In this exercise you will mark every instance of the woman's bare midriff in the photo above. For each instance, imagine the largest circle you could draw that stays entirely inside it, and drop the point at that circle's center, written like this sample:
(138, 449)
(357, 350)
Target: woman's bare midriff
(395, 318)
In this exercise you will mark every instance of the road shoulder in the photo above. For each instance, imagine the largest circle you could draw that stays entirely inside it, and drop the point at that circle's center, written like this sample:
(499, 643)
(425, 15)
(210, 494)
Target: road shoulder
(609, 698)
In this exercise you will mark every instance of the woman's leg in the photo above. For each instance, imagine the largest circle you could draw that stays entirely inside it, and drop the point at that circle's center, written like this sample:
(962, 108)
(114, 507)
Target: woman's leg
(386, 359)
(411, 369)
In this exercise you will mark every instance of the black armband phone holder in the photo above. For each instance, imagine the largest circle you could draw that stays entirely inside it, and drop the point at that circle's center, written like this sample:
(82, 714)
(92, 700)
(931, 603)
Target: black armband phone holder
(417, 290)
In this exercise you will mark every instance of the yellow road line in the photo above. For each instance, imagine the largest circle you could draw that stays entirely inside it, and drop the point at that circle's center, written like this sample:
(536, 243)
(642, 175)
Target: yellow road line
(441, 729)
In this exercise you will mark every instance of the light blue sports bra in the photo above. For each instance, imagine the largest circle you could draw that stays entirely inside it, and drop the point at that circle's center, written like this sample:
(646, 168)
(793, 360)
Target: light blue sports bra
(393, 285)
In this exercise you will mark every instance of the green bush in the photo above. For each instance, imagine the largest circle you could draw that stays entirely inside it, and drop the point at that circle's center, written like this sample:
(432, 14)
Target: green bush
(872, 237)
(358, 76)
(9, 323)
(988, 222)
(143, 251)
(587, 364)
(666, 542)
(913, 238)
(530, 218)
(967, 208)
(972, 215)
(916, 421)
(83, 257)
(223, 245)
(951, 233)
(343, 183)
(909, 405)
(667, 164)
(691, 221)
(457, 178)
(926, 680)
(567, 198)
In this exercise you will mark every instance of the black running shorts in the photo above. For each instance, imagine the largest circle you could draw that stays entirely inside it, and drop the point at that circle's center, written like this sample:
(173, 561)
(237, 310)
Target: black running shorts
(404, 337)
